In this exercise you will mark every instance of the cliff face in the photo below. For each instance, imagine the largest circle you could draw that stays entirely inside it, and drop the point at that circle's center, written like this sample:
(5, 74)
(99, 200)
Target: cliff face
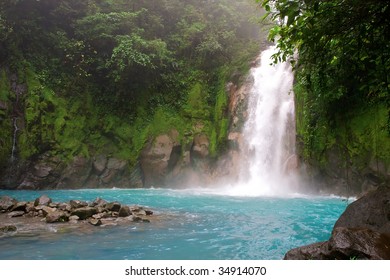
(49, 142)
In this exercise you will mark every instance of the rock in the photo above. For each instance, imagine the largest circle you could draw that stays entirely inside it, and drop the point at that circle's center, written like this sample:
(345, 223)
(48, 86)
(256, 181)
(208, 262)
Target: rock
(149, 212)
(114, 168)
(124, 211)
(56, 217)
(156, 160)
(361, 232)
(77, 204)
(75, 175)
(20, 206)
(113, 206)
(371, 211)
(346, 244)
(84, 212)
(47, 210)
(7, 203)
(8, 228)
(64, 207)
(74, 218)
(42, 200)
(200, 147)
(95, 222)
(15, 214)
(99, 164)
(98, 202)
(101, 216)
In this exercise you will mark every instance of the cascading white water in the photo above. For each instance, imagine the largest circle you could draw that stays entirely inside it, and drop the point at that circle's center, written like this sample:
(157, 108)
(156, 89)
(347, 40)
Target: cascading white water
(14, 139)
(269, 133)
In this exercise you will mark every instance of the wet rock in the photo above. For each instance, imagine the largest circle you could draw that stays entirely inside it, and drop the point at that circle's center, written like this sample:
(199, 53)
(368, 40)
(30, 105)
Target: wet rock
(113, 206)
(47, 210)
(101, 216)
(113, 168)
(99, 164)
(15, 214)
(20, 206)
(124, 211)
(42, 200)
(95, 222)
(74, 219)
(6, 203)
(200, 147)
(346, 244)
(156, 159)
(8, 228)
(84, 212)
(149, 212)
(98, 202)
(56, 217)
(64, 207)
(75, 174)
(77, 204)
(371, 211)
(361, 232)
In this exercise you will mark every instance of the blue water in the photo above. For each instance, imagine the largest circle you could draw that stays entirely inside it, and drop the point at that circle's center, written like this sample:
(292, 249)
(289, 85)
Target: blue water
(192, 225)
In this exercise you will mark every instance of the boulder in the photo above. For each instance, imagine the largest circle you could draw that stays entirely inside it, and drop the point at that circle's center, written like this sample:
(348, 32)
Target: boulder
(84, 212)
(99, 164)
(75, 175)
(98, 202)
(157, 159)
(57, 217)
(42, 200)
(20, 206)
(200, 147)
(7, 203)
(15, 214)
(95, 222)
(113, 206)
(77, 204)
(361, 232)
(113, 169)
(371, 211)
(124, 211)
(47, 210)
(346, 244)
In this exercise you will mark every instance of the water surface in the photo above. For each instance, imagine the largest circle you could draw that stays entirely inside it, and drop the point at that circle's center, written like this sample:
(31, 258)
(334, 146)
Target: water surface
(191, 225)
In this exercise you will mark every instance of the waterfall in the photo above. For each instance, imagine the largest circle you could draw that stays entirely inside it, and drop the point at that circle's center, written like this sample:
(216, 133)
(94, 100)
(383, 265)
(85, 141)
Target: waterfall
(269, 132)
(14, 139)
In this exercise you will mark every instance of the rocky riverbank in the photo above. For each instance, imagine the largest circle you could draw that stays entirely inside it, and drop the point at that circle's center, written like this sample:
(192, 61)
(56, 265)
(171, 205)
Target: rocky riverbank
(30, 216)
(361, 232)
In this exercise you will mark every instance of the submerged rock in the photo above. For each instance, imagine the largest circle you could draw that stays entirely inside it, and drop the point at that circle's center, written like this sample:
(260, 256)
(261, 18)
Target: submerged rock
(8, 228)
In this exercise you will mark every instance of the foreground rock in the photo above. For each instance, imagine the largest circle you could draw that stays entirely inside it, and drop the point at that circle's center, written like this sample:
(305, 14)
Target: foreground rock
(97, 213)
(361, 232)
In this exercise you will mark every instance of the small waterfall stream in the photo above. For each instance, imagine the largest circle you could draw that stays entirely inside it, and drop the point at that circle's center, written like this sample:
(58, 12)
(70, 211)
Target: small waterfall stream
(14, 139)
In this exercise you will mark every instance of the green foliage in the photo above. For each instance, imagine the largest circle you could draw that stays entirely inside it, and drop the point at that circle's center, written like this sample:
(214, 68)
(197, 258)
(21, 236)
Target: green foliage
(342, 75)
(106, 76)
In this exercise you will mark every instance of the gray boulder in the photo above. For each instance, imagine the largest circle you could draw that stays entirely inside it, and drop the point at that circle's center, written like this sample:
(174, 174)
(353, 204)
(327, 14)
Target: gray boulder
(84, 212)
(57, 217)
(6, 203)
(42, 200)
